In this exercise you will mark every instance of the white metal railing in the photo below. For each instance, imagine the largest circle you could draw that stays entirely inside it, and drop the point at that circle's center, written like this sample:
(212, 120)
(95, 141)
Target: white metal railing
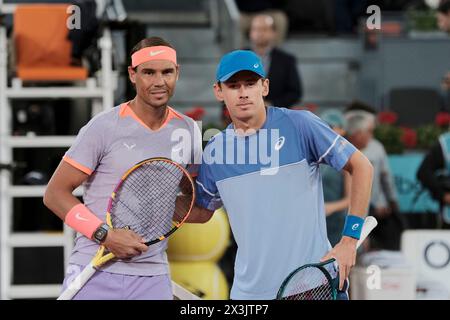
(36, 239)
(101, 90)
(38, 141)
(34, 191)
(5, 157)
(34, 291)
(53, 92)
(7, 8)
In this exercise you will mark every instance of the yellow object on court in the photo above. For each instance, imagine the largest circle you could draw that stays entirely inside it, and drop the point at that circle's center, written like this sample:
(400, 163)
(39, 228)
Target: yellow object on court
(204, 279)
(201, 241)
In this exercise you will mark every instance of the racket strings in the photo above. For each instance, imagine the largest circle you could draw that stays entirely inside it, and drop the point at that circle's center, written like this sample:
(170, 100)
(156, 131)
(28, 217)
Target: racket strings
(309, 283)
(146, 201)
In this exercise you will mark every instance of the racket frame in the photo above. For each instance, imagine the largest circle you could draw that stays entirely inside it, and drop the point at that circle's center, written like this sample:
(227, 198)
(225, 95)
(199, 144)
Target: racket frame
(314, 265)
(177, 225)
(369, 224)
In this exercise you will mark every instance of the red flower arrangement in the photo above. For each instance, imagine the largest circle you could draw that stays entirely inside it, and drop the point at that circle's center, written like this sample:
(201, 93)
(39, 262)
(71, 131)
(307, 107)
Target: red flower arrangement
(442, 119)
(409, 137)
(197, 113)
(395, 138)
(387, 117)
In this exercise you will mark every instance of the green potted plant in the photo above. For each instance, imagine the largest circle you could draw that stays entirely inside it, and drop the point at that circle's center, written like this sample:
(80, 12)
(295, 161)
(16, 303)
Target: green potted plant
(396, 139)
(428, 134)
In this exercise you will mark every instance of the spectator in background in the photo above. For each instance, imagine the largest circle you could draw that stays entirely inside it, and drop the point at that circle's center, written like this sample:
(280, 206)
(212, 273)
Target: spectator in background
(443, 20)
(443, 15)
(434, 174)
(285, 88)
(384, 196)
(383, 203)
(249, 8)
(336, 185)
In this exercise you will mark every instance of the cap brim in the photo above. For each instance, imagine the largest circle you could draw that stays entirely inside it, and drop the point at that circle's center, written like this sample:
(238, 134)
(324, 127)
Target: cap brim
(229, 75)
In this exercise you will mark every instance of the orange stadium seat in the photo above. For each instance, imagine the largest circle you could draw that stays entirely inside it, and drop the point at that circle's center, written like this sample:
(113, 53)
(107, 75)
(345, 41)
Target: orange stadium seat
(43, 51)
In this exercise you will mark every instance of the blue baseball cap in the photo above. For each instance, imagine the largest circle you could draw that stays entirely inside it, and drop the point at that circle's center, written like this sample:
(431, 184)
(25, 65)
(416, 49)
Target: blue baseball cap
(239, 60)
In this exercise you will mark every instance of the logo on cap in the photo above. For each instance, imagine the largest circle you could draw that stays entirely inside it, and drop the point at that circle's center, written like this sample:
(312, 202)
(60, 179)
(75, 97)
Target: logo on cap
(256, 66)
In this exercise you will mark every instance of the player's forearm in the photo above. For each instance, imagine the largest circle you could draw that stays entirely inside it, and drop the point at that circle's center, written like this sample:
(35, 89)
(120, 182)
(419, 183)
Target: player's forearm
(59, 201)
(361, 172)
(58, 196)
(199, 215)
(334, 206)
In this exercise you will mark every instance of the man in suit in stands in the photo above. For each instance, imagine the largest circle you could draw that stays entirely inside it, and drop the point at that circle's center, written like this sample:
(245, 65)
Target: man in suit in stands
(281, 67)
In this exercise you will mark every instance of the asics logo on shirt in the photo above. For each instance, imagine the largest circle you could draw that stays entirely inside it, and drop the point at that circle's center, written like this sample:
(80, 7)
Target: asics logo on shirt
(355, 226)
(342, 145)
(79, 217)
(279, 143)
(155, 53)
(129, 147)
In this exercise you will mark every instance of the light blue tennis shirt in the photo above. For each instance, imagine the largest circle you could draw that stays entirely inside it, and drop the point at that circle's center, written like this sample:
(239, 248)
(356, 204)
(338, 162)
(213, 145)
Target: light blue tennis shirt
(270, 185)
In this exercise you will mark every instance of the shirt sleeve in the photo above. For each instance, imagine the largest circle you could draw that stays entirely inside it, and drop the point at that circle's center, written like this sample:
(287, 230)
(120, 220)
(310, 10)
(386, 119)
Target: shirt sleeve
(207, 194)
(321, 143)
(88, 148)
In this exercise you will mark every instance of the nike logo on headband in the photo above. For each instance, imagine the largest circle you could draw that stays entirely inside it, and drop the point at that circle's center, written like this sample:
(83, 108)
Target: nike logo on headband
(155, 53)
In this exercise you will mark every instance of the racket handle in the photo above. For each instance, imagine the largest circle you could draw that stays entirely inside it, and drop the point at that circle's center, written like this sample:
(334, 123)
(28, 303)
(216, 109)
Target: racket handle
(369, 224)
(78, 283)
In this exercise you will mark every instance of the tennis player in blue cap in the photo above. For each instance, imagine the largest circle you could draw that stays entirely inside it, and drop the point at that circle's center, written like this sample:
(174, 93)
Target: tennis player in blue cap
(264, 169)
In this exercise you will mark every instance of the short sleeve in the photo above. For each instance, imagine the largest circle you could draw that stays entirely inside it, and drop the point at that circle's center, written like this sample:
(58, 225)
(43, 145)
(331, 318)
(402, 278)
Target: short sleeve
(87, 150)
(207, 195)
(321, 143)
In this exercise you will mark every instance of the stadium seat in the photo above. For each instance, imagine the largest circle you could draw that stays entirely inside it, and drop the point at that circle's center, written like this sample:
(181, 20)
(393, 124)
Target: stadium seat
(43, 51)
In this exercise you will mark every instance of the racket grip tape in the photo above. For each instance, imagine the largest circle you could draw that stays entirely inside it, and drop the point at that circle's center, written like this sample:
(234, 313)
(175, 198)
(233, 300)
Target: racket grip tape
(78, 283)
(369, 224)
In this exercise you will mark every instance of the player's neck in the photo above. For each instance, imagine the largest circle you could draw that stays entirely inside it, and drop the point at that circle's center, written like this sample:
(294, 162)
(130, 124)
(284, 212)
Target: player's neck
(153, 117)
(253, 124)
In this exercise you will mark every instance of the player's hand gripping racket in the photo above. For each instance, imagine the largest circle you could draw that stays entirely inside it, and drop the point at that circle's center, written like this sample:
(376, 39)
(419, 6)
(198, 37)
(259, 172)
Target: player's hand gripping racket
(318, 281)
(145, 201)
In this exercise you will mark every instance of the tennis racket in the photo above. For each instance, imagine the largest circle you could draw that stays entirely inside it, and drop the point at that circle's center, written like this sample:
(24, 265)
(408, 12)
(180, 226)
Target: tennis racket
(318, 281)
(145, 201)
(180, 293)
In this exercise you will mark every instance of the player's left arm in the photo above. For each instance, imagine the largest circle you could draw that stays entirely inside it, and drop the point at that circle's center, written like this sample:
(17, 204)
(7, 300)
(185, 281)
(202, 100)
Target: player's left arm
(323, 145)
(361, 172)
